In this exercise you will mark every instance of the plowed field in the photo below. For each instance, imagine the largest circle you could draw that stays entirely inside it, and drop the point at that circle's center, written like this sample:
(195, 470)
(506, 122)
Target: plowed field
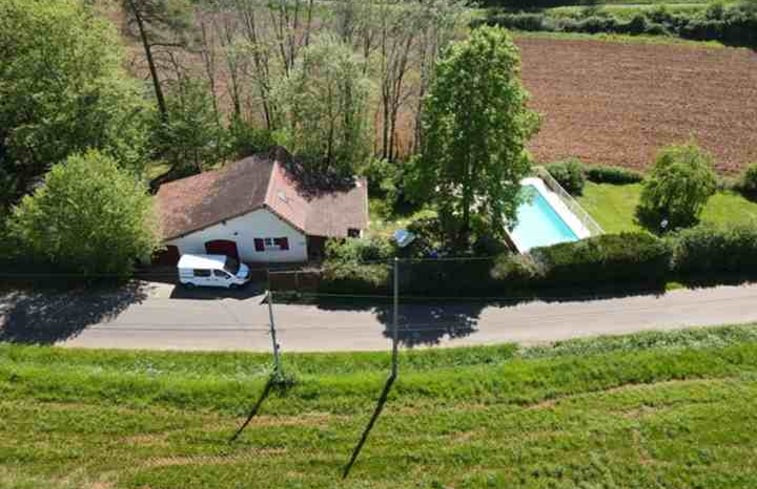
(616, 103)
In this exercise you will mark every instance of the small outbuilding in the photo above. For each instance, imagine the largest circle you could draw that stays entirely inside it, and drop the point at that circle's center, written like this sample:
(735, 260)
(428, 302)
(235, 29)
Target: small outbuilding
(259, 209)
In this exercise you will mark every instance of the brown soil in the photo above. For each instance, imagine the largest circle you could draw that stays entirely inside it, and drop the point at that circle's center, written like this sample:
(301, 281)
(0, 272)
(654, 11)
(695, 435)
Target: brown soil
(617, 103)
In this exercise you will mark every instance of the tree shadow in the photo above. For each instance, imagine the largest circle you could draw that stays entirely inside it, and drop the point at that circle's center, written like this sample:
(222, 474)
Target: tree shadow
(48, 317)
(419, 323)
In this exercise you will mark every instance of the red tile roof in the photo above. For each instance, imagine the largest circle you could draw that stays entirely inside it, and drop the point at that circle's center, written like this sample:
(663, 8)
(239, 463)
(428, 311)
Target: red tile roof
(260, 181)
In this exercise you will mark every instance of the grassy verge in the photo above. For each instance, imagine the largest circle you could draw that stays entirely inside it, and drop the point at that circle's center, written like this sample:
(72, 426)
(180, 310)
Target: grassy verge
(646, 410)
(614, 207)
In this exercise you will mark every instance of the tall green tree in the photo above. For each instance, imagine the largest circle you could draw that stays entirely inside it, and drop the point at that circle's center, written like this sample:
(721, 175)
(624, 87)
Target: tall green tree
(475, 127)
(324, 103)
(676, 190)
(62, 90)
(192, 139)
(158, 24)
(89, 217)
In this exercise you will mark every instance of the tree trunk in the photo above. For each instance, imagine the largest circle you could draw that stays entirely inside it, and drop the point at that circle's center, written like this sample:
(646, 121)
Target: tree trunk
(150, 63)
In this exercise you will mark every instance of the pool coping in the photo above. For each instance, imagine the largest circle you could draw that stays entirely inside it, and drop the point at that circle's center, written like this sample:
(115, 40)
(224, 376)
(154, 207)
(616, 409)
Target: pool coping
(557, 204)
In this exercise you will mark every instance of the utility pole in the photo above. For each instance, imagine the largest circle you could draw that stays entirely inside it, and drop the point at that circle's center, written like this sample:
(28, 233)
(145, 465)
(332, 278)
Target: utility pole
(395, 319)
(276, 358)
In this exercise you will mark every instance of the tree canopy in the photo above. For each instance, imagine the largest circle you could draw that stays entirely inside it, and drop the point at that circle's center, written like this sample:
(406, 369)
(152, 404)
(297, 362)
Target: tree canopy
(323, 104)
(475, 127)
(62, 90)
(89, 217)
(676, 190)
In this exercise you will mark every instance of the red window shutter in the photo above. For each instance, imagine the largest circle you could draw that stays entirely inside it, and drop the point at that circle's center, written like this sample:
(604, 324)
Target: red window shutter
(259, 244)
(284, 243)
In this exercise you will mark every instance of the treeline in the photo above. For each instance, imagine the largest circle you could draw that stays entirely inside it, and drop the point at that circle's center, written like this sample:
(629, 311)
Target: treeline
(734, 24)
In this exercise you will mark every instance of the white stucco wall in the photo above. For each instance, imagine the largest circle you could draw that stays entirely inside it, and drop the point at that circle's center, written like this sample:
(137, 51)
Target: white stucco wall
(243, 230)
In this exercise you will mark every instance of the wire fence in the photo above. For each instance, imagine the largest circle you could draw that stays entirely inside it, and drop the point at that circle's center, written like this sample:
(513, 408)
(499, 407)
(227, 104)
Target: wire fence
(589, 223)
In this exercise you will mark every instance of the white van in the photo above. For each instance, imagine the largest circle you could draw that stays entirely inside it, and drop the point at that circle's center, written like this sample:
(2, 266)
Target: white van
(212, 271)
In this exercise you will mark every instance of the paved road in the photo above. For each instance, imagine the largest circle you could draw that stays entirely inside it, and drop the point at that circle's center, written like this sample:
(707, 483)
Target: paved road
(154, 316)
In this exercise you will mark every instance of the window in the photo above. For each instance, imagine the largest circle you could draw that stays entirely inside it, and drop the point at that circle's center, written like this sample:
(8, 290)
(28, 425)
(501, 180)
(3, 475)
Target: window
(271, 244)
(231, 265)
(197, 272)
(220, 273)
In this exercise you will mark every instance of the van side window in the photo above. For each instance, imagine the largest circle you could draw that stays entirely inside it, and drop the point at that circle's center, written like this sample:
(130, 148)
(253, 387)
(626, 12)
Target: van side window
(220, 273)
(197, 272)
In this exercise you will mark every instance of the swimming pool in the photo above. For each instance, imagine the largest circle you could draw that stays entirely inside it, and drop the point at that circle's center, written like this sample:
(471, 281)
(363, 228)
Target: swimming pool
(539, 224)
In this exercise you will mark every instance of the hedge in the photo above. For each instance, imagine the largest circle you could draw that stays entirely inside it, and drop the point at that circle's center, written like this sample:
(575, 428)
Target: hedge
(734, 25)
(618, 261)
(706, 251)
(612, 174)
(569, 174)
(609, 258)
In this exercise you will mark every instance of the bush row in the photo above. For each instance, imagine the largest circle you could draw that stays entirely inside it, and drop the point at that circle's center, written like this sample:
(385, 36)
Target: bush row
(572, 175)
(611, 261)
(734, 25)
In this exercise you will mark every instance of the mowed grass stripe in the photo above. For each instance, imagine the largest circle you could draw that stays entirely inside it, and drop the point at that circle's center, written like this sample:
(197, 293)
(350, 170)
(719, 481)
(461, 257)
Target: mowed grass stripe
(648, 410)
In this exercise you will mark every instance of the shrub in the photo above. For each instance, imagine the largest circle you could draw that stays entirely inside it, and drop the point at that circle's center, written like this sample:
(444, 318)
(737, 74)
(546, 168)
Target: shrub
(749, 180)
(706, 250)
(358, 250)
(569, 174)
(681, 182)
(612, 174)
(608, 258)
(517, 269)
(355, 278)
(90, 217)
(245, 139)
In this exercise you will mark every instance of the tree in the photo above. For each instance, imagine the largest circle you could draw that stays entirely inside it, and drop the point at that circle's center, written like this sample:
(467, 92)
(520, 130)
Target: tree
(475, 127)
(323, 105)
(192, 139)
(678, 187)
(62, 90)
(159, 24)
(89, 217)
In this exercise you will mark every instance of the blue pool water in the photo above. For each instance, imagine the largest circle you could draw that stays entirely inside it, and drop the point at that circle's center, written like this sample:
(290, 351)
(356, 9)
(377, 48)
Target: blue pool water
(538, 223)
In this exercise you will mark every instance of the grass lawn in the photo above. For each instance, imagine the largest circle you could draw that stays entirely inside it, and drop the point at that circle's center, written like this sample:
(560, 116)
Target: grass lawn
(614, 207)
(648, 410)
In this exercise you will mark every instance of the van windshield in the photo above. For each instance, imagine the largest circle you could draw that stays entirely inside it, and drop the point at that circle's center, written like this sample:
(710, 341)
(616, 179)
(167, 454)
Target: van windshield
(231, 265)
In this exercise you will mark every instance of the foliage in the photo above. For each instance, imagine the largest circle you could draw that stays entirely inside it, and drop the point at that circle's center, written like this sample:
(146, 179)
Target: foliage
(612, 174)
(733, 24)
(245, 139)
(517, 268)
(160, 25)
(716, 251)
(620, 259)
(359, 249)
(677, 188)
(383, 178)
(89, 218)
(352, 277)
(62, 90)
(323, 106)
(748, 183)
(192, 139)
(569, 174)
(475, 127)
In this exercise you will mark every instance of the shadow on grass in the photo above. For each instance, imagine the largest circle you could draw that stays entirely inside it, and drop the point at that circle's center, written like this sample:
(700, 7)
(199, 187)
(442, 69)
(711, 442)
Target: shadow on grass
(367, 431)
(49, 316)
(275, 383)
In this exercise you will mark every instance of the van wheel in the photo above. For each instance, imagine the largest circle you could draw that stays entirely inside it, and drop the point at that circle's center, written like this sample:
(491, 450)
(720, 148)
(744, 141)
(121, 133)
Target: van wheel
(233, 286)
(189, 285)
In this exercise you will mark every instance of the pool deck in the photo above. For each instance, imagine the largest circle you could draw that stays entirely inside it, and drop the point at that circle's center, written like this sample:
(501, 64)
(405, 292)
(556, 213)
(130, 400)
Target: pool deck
(562, 210)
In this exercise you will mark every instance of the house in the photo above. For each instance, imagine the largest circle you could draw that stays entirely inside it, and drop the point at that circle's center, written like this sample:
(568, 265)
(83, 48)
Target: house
(258, 210)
